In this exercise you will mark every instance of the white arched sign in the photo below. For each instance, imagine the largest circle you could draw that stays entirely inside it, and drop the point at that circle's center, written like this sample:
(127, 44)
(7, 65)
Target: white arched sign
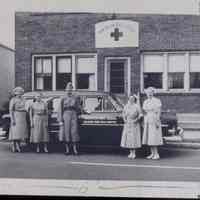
(116, 33)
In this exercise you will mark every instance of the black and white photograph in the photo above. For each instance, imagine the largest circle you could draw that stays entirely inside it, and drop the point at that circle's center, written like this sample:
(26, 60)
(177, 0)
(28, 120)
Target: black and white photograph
(100, 98)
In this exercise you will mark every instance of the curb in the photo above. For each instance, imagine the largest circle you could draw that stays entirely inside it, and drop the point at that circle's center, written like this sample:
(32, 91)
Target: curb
(192, 145)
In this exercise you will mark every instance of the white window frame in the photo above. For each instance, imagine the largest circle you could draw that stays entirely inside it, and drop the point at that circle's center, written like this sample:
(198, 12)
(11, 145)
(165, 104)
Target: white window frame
(128, 59)
(165, 88)
(142, 72)
(96, 70)
(74, 66)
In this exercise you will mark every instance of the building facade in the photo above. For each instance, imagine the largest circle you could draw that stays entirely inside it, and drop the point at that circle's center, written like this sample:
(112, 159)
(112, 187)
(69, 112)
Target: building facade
(7, 75)
(118, 53)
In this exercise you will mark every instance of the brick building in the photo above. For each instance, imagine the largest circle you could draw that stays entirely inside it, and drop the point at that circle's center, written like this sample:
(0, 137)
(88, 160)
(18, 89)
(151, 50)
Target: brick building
(7, 74)
(119, 53)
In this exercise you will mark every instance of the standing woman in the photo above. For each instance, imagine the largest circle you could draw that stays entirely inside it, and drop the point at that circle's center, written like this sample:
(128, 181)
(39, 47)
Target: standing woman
(152, 135)
(68, 118)
(131, 135)
(39, 123)
(18, 115)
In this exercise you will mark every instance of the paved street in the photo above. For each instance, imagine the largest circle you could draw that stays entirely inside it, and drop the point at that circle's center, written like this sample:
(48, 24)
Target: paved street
(175, 165)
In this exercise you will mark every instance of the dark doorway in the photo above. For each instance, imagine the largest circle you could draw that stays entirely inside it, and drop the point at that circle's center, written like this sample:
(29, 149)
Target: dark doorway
(117, 83)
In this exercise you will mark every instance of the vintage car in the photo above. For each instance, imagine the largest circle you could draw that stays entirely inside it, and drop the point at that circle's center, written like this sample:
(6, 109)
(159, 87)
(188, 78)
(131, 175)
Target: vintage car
(101, 121)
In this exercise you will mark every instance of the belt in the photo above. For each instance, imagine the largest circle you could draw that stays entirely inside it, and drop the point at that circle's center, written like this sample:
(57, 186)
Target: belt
(20, 110)
(70, 108)
(40, 113)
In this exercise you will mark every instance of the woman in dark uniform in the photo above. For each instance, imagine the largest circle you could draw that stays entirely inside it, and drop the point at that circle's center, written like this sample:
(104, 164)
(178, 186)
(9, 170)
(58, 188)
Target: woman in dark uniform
(68, 118)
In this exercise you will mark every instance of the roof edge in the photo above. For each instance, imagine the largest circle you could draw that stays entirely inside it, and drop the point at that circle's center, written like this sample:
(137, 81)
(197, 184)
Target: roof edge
(86, 13)
(6, 47)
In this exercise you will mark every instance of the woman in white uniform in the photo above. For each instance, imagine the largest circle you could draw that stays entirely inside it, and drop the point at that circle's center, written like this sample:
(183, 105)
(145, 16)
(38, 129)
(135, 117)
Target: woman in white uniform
(39, 123)
(18, 115)
(131, 135)
(152, 135)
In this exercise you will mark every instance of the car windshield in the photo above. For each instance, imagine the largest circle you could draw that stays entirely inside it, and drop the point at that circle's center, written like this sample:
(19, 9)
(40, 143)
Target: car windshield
(95, 104)
(29, 101)
(90, 104)
(55, 104)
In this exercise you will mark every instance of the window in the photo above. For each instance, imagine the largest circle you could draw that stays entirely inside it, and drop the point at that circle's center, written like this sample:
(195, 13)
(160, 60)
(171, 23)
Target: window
(93, 104)
(53, 72)
(171, 71)
(194, 71)
(176, 69)
(85, 77)
(63, 72)
(43, 73)
(153, 71)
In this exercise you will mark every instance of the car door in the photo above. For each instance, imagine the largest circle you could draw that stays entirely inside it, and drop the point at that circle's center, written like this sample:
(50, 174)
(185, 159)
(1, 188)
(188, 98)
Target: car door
(99, 123)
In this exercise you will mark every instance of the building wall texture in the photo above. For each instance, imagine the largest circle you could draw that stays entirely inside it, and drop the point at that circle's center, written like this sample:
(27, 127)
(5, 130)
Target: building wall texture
(37, 33)
(6, 75)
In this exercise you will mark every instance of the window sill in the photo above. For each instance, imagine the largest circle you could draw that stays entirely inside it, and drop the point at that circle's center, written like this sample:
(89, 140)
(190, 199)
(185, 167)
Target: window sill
(177, 91)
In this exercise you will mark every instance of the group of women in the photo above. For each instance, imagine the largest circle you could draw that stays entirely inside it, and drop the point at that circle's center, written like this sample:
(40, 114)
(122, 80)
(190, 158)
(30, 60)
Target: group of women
(152, 133)
(68, 112)
(38, 114)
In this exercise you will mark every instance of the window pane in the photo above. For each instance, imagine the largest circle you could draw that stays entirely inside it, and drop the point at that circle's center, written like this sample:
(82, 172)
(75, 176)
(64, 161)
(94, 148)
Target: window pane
(39, 83)
(153, 63)
(56, 104)
(86, 81)
(86, 65)
(62, 80)
(92, 83)
(153, 80)
(82, 81)
(176, 63)
(64, 65)
(195, 63)
(108, 105)
(47, 65)
(195, 80)
(93, 104)
(38, 65)
(47, 82)
(176, 80)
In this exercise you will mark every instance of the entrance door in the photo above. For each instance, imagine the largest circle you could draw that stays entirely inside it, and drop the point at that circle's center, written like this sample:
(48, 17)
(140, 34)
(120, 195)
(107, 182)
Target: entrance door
(117, 77)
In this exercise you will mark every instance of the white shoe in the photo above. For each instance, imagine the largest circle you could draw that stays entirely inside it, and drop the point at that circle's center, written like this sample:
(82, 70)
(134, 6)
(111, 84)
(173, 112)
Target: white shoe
(130, 155)
(133, 156)
(150, 156)
(156, 157)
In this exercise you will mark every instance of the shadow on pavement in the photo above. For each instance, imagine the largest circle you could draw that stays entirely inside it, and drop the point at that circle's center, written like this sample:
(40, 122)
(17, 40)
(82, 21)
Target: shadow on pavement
(5, 146)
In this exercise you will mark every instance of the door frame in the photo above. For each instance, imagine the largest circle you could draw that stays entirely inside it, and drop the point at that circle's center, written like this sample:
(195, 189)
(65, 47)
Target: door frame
(106, 63)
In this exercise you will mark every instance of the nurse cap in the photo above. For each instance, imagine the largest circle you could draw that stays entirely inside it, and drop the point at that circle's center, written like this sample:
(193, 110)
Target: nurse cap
(150, 90)
(18, 90)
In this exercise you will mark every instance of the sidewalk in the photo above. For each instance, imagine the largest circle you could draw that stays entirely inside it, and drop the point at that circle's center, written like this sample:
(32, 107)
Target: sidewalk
(181, 142)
